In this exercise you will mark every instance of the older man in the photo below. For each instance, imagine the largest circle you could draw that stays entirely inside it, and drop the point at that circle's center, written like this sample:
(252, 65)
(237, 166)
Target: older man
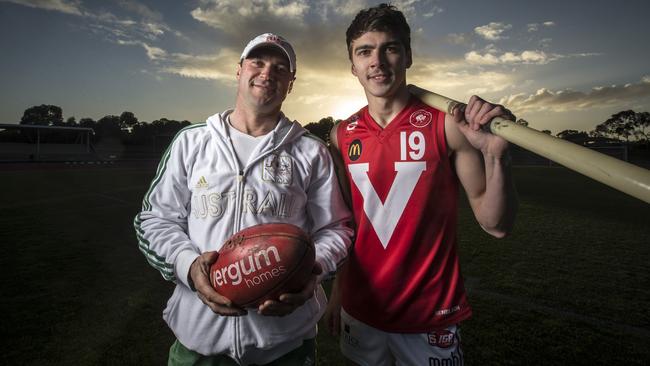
(245, 166)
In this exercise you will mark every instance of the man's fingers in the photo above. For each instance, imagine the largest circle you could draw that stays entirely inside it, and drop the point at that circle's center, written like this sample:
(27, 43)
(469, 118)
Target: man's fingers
(224, 303)
(458, 111)
(275, 308)
(210, 258)
(220, 308)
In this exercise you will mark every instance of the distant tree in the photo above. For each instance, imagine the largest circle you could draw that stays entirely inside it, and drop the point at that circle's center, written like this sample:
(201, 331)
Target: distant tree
(625, 125)
(641, 128)
(161, 125)
(578, 137)
(142, 133)
(321, 128)
(172, 127)
(522, 122)
(43, 115)
(127, 120)
(87, 122)
(108, 126)
(71, 122)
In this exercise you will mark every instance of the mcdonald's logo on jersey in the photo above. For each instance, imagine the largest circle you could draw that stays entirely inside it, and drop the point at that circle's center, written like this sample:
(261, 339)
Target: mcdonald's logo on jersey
(354, 150)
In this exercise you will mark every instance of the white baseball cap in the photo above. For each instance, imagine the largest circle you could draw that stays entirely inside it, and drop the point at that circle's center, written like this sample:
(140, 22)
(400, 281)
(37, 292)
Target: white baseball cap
(270, 39)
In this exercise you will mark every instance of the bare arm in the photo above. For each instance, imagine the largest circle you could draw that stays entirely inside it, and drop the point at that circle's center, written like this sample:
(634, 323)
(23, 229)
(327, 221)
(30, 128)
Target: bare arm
(482, 163)
(333, 312)
(340, 166)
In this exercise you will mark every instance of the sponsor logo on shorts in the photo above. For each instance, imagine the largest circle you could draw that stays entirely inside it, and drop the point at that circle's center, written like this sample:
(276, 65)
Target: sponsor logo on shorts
(347, 337)
(442, 312)
(441, 338)
(354, 150)
(420, 118)
(455, 359)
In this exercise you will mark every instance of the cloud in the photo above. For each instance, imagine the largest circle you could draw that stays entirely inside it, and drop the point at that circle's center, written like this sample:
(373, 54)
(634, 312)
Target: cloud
(114, 28)
(220, 66)
(523, 57)
(456, 38)
(571, 100)
(491, 57)
(141, 9)
(534, 27)
(231, 16)
(149, 24)
(492, 31)
(64, 6)
(456, 78)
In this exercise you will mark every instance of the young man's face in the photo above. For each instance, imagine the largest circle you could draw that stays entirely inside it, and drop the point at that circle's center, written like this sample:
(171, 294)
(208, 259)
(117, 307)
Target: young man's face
(264, 78)
(379, 61)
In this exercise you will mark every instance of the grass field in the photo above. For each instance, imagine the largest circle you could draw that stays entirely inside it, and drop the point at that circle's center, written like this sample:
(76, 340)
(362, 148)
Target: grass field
(570, 286)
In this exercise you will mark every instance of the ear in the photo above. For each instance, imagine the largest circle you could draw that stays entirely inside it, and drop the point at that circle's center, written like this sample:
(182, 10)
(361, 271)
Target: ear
(353, 70)
(238, 71)
(291, 85)
(409, 59)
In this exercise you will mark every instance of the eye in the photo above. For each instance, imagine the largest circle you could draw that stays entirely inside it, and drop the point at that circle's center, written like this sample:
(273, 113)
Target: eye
(363, 52)
(392, 49)
(257, 62)
(282, 68)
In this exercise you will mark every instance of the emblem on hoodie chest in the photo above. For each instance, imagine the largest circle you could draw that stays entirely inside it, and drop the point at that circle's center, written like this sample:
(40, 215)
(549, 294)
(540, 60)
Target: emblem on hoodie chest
(278, 168)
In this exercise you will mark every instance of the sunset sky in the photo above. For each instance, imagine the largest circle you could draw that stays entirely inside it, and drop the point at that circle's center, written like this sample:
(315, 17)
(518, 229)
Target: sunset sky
(557, 64)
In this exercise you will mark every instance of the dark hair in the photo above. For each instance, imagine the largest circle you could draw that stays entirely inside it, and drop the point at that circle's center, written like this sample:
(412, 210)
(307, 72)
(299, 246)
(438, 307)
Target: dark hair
(382, 18)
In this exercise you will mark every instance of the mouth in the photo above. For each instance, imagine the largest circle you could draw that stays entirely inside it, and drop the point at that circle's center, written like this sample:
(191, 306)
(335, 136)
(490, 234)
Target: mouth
(266, 86)
(381, 77)
(261, 85)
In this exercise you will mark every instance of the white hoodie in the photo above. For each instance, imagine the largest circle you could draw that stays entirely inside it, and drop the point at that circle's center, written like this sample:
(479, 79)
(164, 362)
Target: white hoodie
(201, 195)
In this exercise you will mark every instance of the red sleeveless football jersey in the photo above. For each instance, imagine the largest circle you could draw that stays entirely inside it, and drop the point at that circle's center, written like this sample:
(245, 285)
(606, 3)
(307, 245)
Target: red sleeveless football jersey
(403, 271)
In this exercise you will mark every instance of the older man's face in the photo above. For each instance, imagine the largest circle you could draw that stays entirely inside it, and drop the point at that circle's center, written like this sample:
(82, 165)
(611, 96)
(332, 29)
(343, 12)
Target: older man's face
(264, 78)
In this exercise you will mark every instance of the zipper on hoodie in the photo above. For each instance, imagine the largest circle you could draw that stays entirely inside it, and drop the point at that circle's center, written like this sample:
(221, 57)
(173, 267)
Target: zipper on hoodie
(239, 203)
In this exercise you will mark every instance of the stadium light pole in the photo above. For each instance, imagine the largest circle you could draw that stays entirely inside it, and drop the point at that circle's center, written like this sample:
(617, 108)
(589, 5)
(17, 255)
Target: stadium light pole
(623, 176)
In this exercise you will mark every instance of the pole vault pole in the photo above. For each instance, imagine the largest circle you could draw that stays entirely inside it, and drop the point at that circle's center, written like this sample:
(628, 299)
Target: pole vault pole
(623, 176)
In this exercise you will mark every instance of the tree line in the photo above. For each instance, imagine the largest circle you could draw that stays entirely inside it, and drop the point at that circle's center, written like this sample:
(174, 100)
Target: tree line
(629, 127)
(126, 127)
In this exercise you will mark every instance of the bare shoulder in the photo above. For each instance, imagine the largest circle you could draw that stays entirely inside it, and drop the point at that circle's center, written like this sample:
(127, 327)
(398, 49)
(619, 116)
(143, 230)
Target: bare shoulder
(334, 135)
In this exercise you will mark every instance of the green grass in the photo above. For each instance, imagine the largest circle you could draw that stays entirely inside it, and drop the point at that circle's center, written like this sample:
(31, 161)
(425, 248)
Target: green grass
(570, 286)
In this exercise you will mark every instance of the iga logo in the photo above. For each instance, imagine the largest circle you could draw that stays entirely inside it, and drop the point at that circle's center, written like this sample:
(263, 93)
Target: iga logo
(441, 338)
(420, 118)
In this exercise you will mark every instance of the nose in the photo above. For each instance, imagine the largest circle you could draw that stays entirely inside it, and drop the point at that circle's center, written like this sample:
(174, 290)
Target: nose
(264, 73)
(377, 59)
(267, 72)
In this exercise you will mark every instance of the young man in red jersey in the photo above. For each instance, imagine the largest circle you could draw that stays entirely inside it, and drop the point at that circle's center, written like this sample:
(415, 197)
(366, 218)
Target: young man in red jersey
(401, 290)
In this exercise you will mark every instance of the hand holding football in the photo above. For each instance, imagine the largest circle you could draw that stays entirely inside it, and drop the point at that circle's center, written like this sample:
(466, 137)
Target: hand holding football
(261, 262)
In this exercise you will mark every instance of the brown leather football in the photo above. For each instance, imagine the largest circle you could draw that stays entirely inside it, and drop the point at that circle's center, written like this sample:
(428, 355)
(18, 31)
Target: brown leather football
(261, 262)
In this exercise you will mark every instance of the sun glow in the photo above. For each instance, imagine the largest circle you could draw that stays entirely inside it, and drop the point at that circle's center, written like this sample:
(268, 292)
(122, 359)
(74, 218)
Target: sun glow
(347, 105)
